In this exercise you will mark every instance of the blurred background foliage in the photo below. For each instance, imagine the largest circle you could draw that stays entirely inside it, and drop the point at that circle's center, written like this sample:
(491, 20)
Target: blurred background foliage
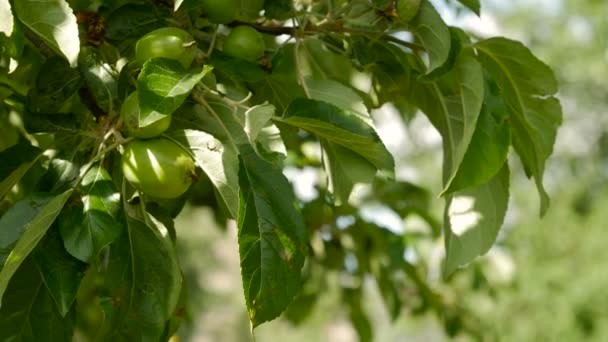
(544, 281)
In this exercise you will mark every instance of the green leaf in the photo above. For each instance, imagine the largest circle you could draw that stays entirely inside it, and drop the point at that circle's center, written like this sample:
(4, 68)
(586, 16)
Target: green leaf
(453, 105)
(16, 161)
(345, 168)
(29, 313)
(30, 238)
(60, 271)
(55, 22)
(163, 85)
(473, 218)
(86, 229)
(219, 161)
(433, 33)
(473, 5)
(527, 86)
(100, 79)
(272, 238)
(340, 127)
(6, 18)
(145, 282)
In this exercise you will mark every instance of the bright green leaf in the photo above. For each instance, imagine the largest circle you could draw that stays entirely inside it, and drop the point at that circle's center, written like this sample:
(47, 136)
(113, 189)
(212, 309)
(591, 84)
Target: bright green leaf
(6, 18)
(256, 118)
(219, 161)
(177, 4)
(88, 228)
(55, 22)
(163, 85)
(527, 86)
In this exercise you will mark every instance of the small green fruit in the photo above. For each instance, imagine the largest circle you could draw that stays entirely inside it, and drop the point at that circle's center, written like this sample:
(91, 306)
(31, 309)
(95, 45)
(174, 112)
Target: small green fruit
(221, 11)
(158, 167)
(244, 42)
(130, 117)
(167, 42)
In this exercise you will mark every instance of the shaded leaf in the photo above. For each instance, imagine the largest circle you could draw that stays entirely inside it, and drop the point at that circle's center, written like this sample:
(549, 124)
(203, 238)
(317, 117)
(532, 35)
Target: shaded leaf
(60, 271)
(56, 83)
(473, 218)
(277, 9)
(29, 313)
(132, 21)
(15, 221)
(281, 85)
(237, 68)
(145, 282)
(36, 229)
(16, 161)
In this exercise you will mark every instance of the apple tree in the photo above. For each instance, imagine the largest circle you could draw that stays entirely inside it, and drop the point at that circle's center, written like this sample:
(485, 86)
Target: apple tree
(113, 112)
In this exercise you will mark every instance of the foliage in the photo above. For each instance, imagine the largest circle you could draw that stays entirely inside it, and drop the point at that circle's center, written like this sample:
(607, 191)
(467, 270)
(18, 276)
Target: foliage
(67, 67)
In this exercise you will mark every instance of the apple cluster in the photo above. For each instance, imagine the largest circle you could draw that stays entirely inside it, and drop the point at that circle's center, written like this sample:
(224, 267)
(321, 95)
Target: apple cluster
(152, 163)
